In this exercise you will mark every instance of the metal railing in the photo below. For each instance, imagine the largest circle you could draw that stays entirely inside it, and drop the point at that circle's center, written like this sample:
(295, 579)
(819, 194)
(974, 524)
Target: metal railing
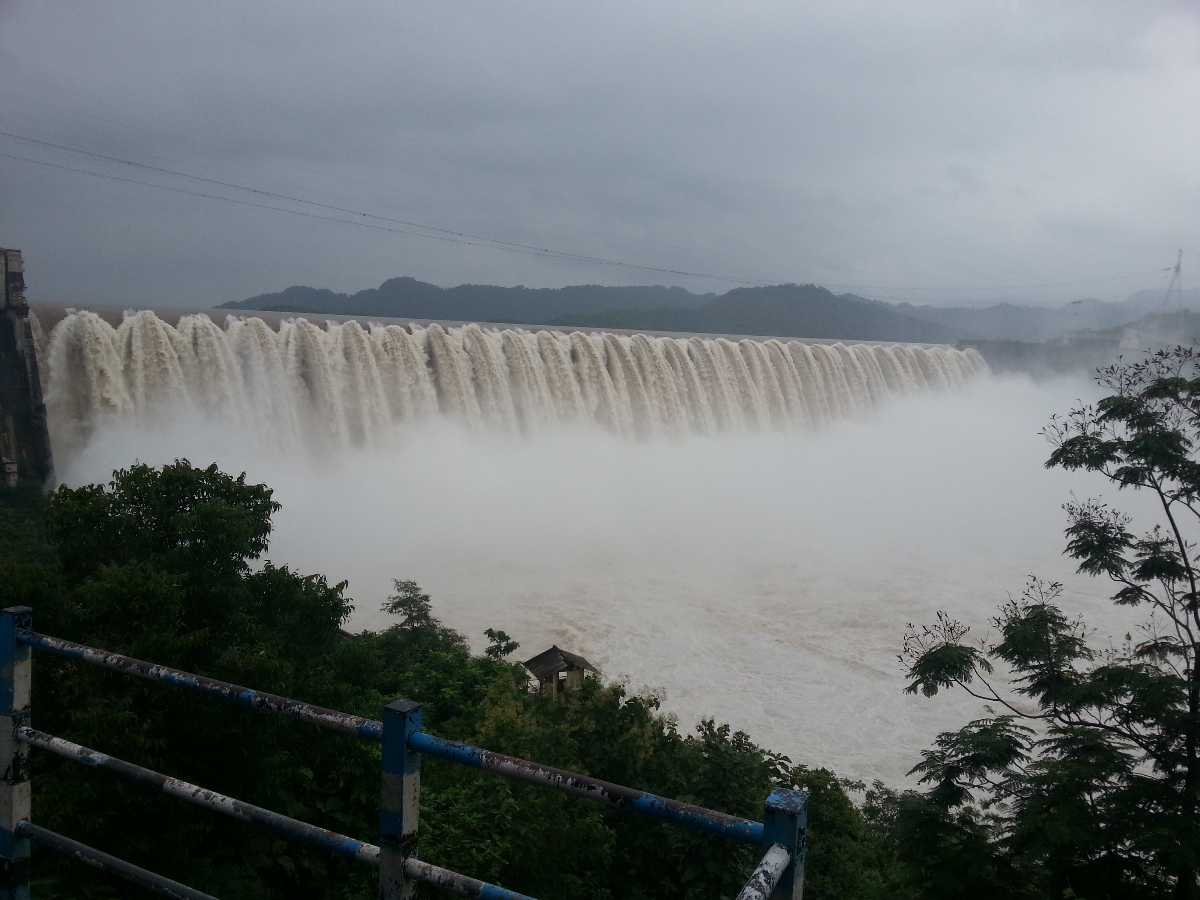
(782, 834)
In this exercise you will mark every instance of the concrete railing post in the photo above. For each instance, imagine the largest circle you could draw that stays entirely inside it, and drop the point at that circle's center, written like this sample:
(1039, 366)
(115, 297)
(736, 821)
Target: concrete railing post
(14, 755)
(400, 800)
(785, 822)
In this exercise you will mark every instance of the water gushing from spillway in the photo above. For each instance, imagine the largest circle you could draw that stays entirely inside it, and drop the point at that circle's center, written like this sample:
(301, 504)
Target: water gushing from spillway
(349, 385)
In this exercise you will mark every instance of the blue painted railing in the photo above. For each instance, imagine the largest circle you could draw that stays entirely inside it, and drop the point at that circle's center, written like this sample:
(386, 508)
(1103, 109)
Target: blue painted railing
(782, 834)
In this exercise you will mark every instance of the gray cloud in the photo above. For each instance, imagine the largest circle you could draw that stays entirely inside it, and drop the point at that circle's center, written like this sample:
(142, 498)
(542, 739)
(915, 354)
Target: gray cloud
(937, 151)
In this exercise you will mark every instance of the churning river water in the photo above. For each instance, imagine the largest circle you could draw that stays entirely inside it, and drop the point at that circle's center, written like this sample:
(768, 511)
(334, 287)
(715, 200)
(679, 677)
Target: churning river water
(744, 528)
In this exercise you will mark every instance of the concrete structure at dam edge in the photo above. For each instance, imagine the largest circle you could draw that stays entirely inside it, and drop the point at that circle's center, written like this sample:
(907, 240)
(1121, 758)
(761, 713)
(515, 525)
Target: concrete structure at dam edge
(24, 438)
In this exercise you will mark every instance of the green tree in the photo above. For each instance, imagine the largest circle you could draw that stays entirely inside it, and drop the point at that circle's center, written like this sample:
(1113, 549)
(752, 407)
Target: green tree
(166, 564)
(1086, 773)
(412, 605)
(162, 564)
(499, 645)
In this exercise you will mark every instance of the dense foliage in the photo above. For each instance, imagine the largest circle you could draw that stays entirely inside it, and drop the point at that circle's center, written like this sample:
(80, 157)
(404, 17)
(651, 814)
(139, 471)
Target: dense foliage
(165, 564)
(1084, 779)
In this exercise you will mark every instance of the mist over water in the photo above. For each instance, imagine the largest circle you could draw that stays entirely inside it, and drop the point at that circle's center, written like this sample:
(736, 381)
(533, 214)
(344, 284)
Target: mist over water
(761, 577)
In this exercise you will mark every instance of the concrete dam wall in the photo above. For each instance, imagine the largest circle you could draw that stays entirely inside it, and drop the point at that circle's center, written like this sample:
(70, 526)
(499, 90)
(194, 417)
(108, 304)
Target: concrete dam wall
(345, 382)
(24, 441)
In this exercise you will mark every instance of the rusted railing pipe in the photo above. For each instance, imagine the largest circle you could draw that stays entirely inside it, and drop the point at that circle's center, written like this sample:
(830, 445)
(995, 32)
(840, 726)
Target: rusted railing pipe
(766, 875)
(688, 815)
(293, 829)
(331, 841)
(697, 818)
(461, 885)
(98, 859)
(370, 729)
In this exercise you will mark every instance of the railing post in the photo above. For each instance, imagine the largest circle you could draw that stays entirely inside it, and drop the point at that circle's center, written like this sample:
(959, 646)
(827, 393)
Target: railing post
(14, 755)
(400, 800)
(785, 822)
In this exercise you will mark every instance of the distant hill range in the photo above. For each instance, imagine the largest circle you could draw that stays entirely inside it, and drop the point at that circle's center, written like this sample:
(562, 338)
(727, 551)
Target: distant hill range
(1006, 321)
(1083, 350)
(783, 310)
(787, 310)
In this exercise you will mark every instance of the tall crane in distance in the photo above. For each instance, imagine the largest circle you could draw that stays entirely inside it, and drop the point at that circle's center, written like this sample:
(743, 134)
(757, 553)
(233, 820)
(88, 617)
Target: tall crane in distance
(1175, 285)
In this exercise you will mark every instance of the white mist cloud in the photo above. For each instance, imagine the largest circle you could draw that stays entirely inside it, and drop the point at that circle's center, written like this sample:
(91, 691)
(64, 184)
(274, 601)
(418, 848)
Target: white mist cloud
(762, 579)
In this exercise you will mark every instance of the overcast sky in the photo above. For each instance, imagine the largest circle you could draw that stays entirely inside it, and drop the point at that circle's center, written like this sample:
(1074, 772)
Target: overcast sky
(941, 151)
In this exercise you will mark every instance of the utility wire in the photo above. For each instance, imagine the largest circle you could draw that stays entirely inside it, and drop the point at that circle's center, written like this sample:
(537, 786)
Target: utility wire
(108, 176)
(412, 228)
(438, 233)
(1140, 273)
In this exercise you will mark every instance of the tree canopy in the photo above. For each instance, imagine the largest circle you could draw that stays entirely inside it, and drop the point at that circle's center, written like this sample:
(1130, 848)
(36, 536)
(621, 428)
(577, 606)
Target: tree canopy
(1084, 778)
(167, 564)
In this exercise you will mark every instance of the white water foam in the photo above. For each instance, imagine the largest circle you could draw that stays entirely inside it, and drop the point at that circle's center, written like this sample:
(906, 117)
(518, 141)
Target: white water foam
(343, 385)
(761, 577)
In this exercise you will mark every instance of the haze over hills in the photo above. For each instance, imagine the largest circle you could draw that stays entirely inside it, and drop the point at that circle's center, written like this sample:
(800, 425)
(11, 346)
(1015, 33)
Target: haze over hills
(1007, 321)
(783, 310)
(787, 310)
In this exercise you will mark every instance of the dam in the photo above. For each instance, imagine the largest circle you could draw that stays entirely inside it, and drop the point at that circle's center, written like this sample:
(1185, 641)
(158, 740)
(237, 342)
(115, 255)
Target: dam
(749, 560)
(295, 381)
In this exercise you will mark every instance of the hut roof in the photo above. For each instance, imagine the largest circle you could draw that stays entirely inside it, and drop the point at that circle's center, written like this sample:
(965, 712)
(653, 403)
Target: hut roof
(557, 659)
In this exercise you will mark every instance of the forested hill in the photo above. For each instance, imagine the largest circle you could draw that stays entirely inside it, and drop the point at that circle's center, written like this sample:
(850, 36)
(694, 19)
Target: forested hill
(784, 310)
(408, 298)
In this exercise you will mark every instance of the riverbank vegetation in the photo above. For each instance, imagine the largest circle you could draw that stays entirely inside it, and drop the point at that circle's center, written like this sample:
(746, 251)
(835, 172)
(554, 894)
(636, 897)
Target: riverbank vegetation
(165, 564)
(1081, 781)
(1084, 775)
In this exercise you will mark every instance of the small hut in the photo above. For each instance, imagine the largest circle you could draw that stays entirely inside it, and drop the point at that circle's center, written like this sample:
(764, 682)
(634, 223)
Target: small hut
(558, 671)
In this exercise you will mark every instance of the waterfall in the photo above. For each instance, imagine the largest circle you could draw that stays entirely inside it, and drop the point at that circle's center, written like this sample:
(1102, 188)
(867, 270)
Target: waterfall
(486, 353)
(91, 387)
(691, 390)
(530, 390)
(343, 384)
(452, 374)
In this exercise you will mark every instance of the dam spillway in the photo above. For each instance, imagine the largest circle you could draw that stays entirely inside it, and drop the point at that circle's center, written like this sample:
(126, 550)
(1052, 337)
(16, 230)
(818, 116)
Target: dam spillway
(343, 383)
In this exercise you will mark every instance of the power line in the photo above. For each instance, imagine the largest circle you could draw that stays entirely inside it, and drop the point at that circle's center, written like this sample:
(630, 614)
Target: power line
(108, 176)
(1004, 286)
(372, 221)
(1176, 282)
(248, 188)
(437, 232)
